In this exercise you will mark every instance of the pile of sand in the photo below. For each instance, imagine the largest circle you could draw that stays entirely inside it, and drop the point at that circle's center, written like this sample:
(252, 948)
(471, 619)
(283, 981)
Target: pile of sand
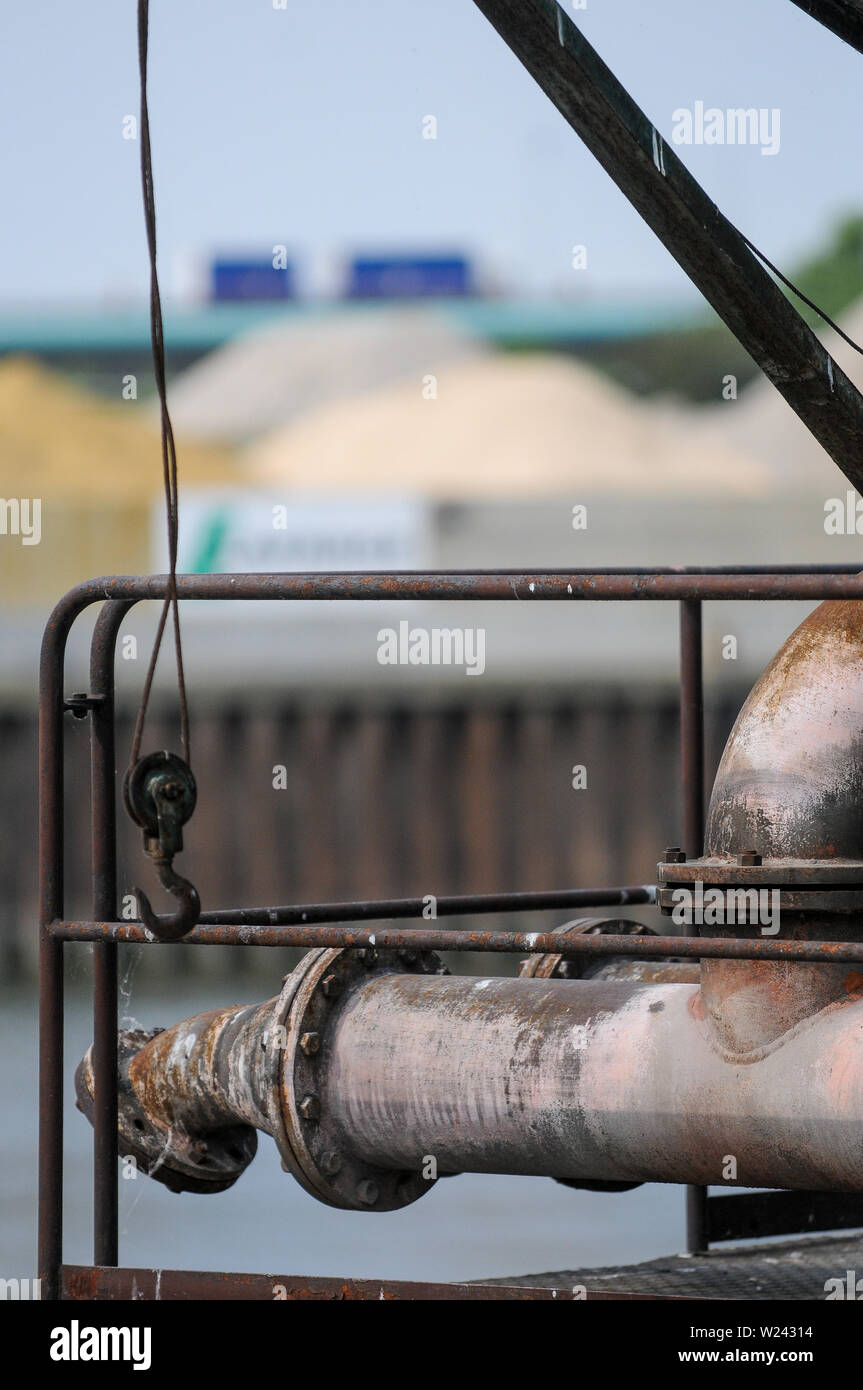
(267, 378)
(59, 442)
(501, 426)
(94, 468)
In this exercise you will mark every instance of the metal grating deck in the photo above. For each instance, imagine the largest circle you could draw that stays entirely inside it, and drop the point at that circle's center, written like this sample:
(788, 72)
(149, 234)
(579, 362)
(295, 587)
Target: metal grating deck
(794, 1269)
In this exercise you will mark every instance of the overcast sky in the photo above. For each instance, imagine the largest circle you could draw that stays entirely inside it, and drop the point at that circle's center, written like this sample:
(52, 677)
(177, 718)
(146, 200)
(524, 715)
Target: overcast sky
(303, 126)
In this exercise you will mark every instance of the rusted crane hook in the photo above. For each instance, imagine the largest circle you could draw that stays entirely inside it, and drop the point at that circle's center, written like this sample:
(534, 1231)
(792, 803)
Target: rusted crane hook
(160, 794)
(175, 927)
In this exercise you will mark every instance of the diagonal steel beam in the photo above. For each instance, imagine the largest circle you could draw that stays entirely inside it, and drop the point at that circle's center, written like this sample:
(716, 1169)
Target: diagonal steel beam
(711, 251)
(844, 17)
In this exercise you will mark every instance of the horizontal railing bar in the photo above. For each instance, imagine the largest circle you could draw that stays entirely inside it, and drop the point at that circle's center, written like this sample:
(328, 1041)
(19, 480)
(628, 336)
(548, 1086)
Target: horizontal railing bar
(531, 943)
(92, 1283)
(777, 583)
(463, 905)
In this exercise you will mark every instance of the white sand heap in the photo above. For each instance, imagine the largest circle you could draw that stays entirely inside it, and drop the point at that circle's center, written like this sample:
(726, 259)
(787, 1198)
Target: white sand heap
(503, 426)
(268, 377)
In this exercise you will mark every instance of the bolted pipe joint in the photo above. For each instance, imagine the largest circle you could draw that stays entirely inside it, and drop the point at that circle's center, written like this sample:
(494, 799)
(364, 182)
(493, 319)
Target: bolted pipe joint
(191, 1097)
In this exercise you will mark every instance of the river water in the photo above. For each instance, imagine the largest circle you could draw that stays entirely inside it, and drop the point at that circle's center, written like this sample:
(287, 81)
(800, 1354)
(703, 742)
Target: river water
(467, 1227)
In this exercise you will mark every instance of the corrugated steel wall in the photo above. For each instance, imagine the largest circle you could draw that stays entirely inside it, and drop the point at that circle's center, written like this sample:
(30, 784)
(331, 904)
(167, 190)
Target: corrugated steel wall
(378, 802)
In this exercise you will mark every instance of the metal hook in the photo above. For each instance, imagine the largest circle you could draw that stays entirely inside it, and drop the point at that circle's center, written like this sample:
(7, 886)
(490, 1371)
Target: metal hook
(170, 928)
(160, 796)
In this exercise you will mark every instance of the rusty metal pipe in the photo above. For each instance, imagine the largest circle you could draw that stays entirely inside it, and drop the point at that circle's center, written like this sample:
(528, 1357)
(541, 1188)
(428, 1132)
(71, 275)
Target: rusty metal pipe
(588, 1080)
(191, 1097)
(365, 1072)
(790, 785)
(790, 781)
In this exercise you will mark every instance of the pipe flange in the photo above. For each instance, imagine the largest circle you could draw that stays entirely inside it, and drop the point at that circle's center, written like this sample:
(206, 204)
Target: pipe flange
(823, 901)
(180, 1161)
(751, 868)
(804, 885)
(554, 967)
(312, 1150)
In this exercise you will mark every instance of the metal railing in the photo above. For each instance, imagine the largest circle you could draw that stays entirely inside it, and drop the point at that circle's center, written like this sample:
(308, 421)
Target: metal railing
(311, 925)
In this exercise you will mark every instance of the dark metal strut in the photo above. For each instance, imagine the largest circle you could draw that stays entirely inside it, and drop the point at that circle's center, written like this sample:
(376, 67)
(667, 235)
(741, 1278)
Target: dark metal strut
(844, 17)
(704, 243)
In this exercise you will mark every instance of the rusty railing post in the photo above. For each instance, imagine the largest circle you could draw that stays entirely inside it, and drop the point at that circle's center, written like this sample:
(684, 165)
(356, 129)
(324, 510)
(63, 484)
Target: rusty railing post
(104, 867)
(692, 790)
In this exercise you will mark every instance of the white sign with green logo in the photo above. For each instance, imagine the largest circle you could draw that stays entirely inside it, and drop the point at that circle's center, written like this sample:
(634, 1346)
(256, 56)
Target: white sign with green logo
(231, 532)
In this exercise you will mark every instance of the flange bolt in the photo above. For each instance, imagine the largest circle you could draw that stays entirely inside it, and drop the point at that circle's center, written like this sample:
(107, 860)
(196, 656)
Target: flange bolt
(310, 1108)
